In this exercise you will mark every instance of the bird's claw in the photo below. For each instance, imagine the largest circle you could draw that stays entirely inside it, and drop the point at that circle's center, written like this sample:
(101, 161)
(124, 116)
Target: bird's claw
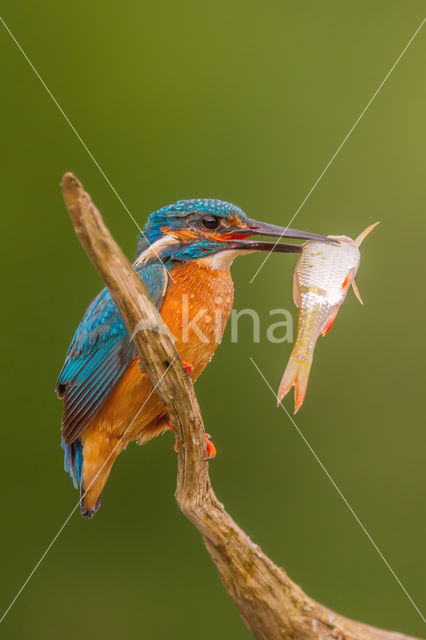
(175, 447)
(188, 366)
(211, 449)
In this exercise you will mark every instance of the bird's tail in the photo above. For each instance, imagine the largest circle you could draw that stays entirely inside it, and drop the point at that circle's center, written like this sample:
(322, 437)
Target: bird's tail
(296, 374)
(73, 460)
(88, 507)
(99, 453)
(89, 465)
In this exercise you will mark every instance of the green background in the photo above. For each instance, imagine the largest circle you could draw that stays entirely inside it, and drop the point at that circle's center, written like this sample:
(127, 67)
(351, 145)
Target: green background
(244, 101)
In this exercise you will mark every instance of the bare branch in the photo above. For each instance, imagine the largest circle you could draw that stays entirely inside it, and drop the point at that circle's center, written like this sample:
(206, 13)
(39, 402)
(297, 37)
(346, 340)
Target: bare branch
(272, 606)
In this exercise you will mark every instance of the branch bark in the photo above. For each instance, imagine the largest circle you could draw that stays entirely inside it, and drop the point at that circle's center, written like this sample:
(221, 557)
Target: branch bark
(272, 606)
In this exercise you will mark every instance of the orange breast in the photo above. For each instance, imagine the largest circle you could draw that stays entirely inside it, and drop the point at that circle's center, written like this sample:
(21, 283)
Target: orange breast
(196, 308)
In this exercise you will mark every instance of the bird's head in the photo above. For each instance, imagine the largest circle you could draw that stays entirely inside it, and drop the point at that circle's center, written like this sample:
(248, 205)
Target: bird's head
(192, 229)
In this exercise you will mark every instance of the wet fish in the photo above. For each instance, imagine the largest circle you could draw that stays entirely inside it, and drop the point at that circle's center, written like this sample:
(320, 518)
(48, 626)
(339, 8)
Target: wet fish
(322, 278)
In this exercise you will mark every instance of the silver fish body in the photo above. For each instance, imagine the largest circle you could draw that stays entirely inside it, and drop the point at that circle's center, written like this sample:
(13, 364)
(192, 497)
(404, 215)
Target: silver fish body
(321, 281)
(322, 278)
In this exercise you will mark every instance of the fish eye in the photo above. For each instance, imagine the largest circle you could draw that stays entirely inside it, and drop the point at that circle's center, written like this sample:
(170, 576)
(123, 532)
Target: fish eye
(210, 222)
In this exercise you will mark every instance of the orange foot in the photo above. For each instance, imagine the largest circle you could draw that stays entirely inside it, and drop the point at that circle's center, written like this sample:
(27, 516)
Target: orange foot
(211, 449)
(188, 366)
(175, 447)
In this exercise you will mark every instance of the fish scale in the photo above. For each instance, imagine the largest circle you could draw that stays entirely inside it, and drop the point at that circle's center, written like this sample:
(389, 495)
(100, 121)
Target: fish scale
(330, 266)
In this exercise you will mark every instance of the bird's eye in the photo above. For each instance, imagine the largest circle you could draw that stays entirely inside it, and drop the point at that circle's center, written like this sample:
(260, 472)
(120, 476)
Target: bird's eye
(210, 222)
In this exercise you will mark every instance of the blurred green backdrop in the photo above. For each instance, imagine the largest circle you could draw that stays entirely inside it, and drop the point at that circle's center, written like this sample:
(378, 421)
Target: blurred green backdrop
(244, 101)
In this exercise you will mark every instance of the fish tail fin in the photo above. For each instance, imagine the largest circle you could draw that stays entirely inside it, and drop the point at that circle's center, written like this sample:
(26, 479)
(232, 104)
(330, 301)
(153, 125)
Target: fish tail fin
(296, 374)
(357, 242)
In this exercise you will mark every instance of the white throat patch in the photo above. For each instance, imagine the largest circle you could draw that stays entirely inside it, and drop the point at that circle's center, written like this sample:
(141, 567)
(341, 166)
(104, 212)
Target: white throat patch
(222, 259)
(154, 250)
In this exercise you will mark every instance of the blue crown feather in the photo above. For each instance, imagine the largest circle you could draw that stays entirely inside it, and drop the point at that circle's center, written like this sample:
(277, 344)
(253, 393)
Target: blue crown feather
(173, 214)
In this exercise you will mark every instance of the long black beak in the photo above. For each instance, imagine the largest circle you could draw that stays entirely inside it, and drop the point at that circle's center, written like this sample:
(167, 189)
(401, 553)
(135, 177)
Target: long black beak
(263, 229)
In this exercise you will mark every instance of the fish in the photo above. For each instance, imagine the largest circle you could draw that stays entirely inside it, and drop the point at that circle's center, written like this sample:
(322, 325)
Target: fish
(322, 278)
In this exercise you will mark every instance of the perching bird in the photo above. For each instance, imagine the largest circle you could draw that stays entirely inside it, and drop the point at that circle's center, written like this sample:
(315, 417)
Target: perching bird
(183, 258)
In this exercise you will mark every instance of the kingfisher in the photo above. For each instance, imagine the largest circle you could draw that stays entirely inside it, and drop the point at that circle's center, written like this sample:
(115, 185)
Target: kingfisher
(184, 256)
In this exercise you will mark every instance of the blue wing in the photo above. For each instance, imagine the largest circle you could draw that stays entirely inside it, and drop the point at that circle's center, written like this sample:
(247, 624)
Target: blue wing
(98, 355)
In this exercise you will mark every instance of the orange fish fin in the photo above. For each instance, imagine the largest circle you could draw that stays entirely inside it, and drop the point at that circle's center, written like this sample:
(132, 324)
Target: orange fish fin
(329, 324)
(356, 291)
(296, 374)
(347, 281)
